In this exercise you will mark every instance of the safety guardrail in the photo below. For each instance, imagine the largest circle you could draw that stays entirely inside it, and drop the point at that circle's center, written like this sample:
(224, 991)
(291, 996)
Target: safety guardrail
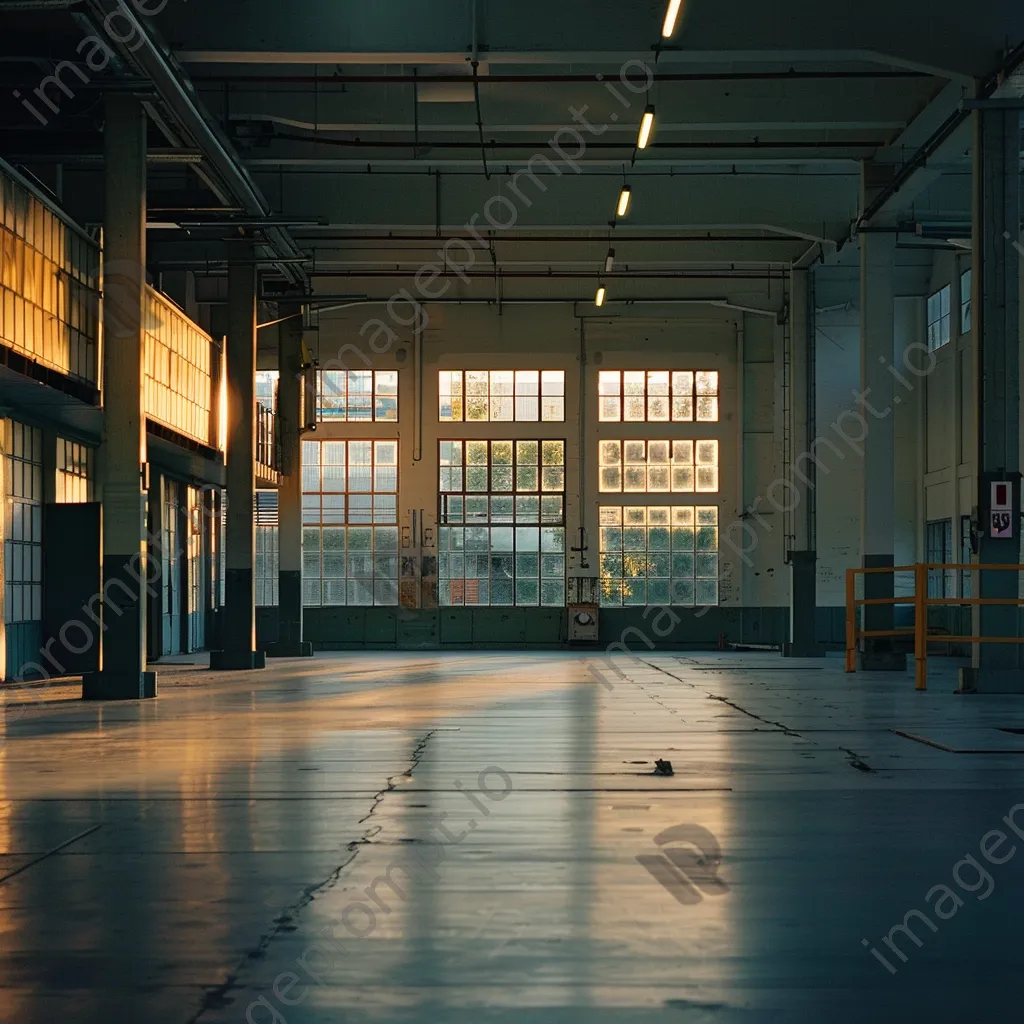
(921, 602)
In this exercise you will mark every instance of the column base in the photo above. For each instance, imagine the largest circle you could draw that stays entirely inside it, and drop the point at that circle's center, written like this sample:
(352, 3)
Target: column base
(114, 685)
(803, 649)
(991, 680)
(303, 649)
(237, 661)
(882, 660)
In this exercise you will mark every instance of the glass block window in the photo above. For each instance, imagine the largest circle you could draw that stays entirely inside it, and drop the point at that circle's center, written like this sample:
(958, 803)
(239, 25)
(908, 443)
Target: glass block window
(180, 360)
(350, 523)
(357, 396)
(659, 555)
(49, 283)
(74, 472)
(651, 467)
(658, 396)
(938, 318)
(495, 396)
(501, 534)
(23, 522)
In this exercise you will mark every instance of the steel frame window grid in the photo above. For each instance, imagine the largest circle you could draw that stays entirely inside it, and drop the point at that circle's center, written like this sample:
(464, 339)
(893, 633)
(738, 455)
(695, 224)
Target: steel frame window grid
(691, 547)
(460, 391)
(49, 284)
(23, 522)
(939, 549)
(545, 524)
(377, 520)
(664, 396)
(74, 472)
(682, 466)
(939, 318)
(376, 392)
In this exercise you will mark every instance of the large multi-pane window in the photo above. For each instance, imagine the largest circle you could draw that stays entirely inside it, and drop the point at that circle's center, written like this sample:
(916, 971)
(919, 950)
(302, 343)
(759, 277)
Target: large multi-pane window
(938, 318)
(501, 396)
(23, 540)
(501, 538)
(357, 396)
(651, 467)
(658, 396)
(74, 472)
(350, 523)
(659, 555)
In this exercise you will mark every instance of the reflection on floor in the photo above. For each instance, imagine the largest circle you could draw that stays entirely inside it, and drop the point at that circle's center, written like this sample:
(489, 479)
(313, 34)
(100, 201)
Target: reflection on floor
(480, 837)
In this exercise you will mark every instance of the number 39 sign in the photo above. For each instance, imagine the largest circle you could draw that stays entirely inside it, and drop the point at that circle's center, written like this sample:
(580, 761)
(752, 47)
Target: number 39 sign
(1002, 510)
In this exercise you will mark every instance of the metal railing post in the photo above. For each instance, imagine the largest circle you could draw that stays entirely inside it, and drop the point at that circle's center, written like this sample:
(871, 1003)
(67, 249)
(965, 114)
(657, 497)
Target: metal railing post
(851, 621)
(921, 626)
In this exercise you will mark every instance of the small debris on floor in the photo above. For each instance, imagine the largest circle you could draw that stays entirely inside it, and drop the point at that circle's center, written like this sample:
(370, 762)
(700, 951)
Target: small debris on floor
(663, 767)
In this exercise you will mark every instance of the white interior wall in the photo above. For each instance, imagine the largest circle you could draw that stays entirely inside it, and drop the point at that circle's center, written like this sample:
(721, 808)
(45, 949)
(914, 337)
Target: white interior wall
(553, 336)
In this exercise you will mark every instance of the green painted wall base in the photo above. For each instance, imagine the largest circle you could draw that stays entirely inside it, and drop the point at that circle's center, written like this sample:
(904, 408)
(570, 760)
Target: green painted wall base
(339, 629)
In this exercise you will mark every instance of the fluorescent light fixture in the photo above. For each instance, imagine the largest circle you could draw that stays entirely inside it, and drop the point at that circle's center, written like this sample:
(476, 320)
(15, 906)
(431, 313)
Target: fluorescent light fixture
(671, 18)
(646, 128)
(609, 261)
(624, 198)
(601, 292)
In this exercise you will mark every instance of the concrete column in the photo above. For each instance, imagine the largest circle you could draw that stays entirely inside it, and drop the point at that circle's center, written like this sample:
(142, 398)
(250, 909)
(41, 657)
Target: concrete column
(996, 328)
(802, 559)
(126, 571)
(239, 622)
(874, 407)
(290, 396)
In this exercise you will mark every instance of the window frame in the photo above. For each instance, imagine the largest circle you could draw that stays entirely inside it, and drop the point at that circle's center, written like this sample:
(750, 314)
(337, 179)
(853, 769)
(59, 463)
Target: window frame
(680, 390)
(615, 518)
(939, 317)
(320, 517)
(458, 389)
(966, 301)
(453, 589)
(375, 399)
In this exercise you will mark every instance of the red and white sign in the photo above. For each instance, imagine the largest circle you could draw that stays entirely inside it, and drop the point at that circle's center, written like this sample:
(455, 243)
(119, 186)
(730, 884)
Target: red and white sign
(1002, 510)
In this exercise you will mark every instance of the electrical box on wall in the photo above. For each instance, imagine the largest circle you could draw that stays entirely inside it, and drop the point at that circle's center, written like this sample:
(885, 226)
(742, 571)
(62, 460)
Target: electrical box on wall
(582, 593)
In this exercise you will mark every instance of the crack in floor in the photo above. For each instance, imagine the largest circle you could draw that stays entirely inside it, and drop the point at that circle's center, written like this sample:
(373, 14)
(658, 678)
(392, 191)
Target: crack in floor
(854, 759)
(217, 997)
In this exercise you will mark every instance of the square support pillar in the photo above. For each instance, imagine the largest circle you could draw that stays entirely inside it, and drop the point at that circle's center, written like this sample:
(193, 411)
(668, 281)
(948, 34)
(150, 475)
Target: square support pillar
(129, 577)
(239, 621)
(876, 424)
(290, 395)
(997, 668)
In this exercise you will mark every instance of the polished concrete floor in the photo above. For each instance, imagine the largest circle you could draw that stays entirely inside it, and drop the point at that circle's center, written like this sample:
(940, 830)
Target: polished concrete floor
(222, 854)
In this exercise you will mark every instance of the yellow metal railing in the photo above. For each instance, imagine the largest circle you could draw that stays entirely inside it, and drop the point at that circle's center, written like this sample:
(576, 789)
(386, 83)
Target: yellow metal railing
(921, 602)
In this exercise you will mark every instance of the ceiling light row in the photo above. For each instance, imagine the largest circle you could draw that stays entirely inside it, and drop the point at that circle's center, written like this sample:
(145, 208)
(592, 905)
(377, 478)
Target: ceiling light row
(643, 140)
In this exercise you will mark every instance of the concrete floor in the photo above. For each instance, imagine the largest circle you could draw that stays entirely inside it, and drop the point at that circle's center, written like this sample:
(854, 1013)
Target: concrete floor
(170, 862)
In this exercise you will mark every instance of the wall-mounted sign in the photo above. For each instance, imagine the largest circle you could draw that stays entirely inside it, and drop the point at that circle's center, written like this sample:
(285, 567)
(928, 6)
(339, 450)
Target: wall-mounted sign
(1001, 510)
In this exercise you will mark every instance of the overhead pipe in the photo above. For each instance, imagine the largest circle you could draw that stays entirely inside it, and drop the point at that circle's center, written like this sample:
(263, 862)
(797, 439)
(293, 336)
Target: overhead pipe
(935, 141)
(541, 144)
(450, 79)
(177, 96)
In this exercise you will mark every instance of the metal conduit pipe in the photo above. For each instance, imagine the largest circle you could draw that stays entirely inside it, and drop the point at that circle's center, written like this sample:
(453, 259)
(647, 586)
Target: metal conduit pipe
(177, 97)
